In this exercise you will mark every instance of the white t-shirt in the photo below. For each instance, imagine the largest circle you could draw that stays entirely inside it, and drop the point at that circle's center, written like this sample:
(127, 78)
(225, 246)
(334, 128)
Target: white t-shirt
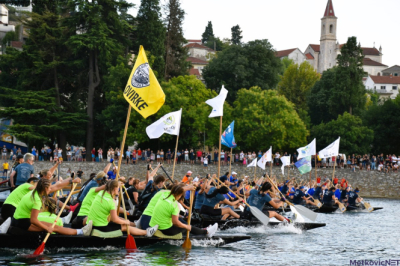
(222, 154)
(241, 156)
(277, 155)
(205, 160)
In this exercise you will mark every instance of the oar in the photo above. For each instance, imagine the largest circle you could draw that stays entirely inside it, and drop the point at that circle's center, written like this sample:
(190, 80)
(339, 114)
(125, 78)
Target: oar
(130, 241)
(188, 244)
(256, 212)
(342, 208)
(367, 206)
(167, 174)
(40, 249)
(129, 199)
(300, 209)
(5, 189)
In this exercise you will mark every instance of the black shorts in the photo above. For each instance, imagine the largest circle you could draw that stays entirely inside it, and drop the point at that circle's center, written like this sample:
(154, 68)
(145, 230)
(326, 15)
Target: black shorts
(210, 211)
(110, 227)
(23, 223)
(77, 223)
(7, 210)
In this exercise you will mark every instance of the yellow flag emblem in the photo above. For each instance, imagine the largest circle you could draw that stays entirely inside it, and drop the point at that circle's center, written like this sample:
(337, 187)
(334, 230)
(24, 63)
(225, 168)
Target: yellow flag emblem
(142, 91)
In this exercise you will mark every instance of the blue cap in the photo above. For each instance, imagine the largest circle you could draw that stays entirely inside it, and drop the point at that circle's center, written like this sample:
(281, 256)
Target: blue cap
(287, 181)
(302, 187)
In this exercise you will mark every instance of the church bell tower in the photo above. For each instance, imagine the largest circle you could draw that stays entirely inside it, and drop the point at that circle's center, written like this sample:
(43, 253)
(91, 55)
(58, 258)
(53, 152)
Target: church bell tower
(328, 39)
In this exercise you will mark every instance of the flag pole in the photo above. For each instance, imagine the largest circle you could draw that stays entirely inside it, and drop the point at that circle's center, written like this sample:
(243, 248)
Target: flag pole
(333, 174)
(255, 169)
(270, 166)
(230, 163)
(219, 149)
(123, 141)
(176, 150)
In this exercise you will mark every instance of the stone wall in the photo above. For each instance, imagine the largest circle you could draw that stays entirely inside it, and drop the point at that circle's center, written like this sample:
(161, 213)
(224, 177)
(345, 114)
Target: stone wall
(371, 183)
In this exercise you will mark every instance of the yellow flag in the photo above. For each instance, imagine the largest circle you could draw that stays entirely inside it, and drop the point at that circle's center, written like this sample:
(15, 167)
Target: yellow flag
(142, 91)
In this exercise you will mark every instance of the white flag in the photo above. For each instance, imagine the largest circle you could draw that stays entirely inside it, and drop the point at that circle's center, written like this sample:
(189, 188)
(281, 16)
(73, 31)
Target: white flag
(253, 163)
(331, 150)
(217, 103)
(308, 150)
(169, 123)
(267, 157)
(285, 161)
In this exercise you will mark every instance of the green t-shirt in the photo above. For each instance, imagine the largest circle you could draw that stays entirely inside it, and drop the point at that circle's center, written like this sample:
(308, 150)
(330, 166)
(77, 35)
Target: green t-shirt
(46, 217)
(16, 196)
(163, 211)
(87, 202)
(100, 209)
(26, 205)
(150, 207)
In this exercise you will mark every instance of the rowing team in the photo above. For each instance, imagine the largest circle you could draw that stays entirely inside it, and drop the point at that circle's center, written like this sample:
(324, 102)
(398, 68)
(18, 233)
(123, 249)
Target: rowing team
(317, 192)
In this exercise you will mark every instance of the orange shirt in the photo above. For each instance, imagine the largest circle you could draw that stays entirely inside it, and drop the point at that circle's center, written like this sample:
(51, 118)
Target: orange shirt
(185, 179)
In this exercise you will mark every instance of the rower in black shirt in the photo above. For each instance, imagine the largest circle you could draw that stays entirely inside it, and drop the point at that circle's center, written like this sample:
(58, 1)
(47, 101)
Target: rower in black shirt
(353, 197)
(329, 197)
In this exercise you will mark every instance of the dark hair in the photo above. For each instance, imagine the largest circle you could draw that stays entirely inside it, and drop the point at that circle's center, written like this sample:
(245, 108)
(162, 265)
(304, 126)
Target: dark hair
(266, 186)
(332, 189)
(135, 182)
(227, 173)
(32, 179)
(40, 188)
(176, 190)
(221, 190)
(157, 180)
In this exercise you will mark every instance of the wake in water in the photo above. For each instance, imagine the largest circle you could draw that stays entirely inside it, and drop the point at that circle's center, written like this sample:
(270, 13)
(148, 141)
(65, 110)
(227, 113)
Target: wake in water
(280, 229)
(198, 243)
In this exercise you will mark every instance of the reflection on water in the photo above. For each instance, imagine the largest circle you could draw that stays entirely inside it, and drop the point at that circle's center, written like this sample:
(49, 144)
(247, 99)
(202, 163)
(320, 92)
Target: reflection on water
(347, 236)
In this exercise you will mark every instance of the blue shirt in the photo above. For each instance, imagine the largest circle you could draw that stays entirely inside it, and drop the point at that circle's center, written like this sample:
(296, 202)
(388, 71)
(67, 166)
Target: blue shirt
(311, 191)
(211, 202)
(90, 185)
(232, 180)
(199, 200)
(258, 200)
(298, 196)
(24, 172)
(111, 175)
(338, 193)
(223, 178)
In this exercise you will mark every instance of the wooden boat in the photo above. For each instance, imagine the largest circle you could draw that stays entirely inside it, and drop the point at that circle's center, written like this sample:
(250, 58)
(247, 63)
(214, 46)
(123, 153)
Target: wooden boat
(333, 208)
(15, 238)
(223, 225)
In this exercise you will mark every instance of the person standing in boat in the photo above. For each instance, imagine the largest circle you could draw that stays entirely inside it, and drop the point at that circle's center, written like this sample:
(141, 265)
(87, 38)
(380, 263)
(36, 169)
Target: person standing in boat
(258, 198)
(103, 206)
(27, 212)
(166, 215)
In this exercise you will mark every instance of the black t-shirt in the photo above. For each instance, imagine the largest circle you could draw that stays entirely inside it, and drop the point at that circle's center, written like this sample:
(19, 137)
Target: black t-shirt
(223, 178)
(343, 194)
(352, 198)
(79, 173)
(327, 199)
(317, 192)
(130, 193)
(298, 196)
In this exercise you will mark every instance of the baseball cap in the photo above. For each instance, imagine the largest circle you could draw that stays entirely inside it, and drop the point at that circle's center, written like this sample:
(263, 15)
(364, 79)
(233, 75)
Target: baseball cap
(189, 172)
(302, 187)
(234, 173)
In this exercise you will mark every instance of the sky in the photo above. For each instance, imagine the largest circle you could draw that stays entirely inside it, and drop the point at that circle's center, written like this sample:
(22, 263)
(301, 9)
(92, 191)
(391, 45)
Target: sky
(294, 23)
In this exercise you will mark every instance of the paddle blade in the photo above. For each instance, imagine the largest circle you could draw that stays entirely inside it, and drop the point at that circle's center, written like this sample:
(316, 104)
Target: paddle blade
(368, 207)
(342, 208)
(187, 244)
(130, 243)
(259, 215)
(39, 250)
(309, 214)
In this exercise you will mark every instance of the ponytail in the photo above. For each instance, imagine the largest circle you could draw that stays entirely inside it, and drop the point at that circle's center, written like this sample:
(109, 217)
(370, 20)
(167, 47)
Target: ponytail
(110, 186)
(41, 189)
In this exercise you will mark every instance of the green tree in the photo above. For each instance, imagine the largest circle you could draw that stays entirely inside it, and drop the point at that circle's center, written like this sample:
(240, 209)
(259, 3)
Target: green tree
(264, 118)
(237, 67)
(208, 34)
(151, 33)
(236, 33)
(175, 52)
(384, 120)
(217, 44)
(350, 92)
(354, 136)
(296, 84)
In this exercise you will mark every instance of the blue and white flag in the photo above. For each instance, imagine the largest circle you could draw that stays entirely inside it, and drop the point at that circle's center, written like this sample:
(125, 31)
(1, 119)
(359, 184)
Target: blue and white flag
(308, 150)
(227, 137)
(304, 165)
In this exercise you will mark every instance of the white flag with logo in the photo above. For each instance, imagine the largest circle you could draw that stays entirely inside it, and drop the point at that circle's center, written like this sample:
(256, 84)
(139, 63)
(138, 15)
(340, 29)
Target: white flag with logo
(169, 123)
(308, 150)
(331, 150)
(253, 163)
(267, 157)
(285, 161)
(217, 103)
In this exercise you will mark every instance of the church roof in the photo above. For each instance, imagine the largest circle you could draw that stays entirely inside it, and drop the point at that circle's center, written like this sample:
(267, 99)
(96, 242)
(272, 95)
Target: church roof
(370, 62)
(385, 79)
(316, 47)
(329, 12)
(194, 71)
(367, 50)
(309, 56)
(284, 53)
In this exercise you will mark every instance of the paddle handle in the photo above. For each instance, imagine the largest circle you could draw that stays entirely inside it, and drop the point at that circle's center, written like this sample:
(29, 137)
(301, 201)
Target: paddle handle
(126, 192)
(231, 191)
(190, 211)
(288, 202)
(60, 212)
(123, 205)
